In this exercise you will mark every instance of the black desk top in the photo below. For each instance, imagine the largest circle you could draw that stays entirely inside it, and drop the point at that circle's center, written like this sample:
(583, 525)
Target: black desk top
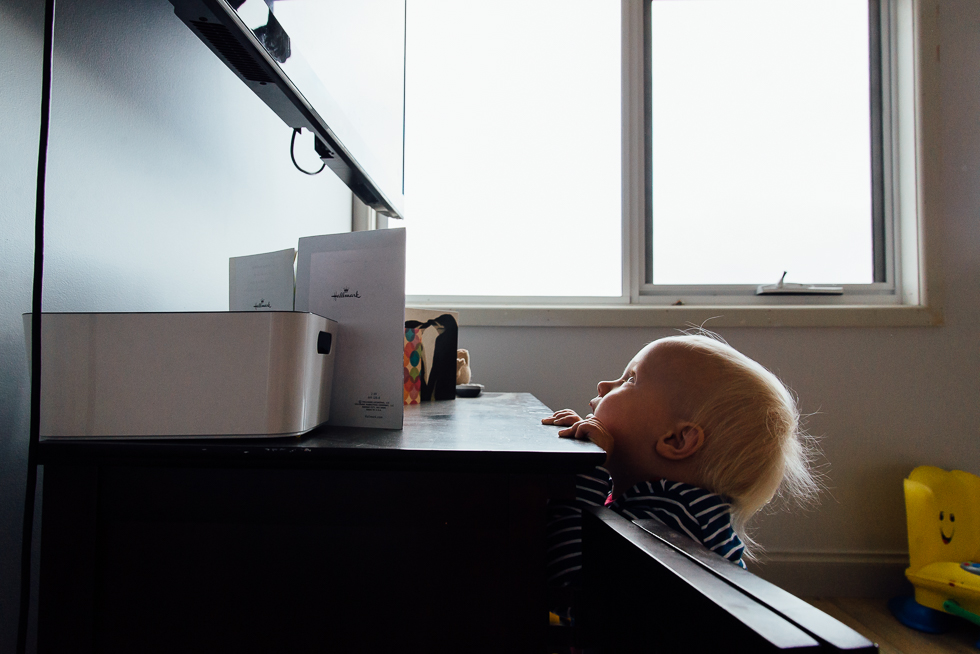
(497, 431)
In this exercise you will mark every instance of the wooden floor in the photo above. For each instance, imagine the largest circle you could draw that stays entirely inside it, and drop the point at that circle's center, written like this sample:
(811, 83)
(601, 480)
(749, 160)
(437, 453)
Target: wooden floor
(872, 618)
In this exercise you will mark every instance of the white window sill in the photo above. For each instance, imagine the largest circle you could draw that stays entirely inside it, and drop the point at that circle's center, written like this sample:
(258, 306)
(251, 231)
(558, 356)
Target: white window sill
(712, 317)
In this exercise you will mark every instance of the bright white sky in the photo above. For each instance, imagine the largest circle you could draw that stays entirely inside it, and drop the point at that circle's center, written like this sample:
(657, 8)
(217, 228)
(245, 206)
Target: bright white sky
(512, 146)
(760, 158)
(761, 132)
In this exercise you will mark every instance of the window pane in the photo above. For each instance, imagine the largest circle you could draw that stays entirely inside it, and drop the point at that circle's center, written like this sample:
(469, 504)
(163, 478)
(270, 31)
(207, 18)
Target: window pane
(512, 148)
(761, 142)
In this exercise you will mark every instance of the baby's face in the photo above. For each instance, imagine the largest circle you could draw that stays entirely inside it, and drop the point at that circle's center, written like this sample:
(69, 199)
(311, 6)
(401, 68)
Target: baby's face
(636, 408)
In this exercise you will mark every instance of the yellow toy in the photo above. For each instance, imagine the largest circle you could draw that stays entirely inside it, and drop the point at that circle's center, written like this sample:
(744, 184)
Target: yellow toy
(943, 512)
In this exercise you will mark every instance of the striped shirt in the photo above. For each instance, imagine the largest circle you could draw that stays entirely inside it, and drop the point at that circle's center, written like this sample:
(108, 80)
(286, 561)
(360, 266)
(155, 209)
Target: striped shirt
(700, 514)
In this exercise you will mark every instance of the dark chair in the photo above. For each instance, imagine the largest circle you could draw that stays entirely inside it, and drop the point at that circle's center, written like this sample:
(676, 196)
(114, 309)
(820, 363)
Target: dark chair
(647, 588)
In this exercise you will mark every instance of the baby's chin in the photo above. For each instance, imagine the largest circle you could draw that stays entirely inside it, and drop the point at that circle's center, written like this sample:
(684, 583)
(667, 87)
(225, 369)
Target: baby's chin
(603, 440)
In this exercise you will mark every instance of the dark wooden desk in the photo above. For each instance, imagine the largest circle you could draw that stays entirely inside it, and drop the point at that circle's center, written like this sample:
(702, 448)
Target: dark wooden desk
(425, 539)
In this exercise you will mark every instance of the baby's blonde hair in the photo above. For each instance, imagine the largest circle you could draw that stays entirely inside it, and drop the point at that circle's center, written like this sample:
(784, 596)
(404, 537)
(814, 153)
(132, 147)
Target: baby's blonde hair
(754, 445)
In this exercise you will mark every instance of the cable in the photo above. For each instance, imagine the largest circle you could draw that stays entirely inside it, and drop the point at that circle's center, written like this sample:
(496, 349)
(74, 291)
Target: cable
(404, 82)
(292, 147)
(27, 535)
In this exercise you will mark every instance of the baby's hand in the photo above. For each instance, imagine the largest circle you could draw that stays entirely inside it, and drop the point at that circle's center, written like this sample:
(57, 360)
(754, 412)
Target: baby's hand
(562, 418)
(589, 429)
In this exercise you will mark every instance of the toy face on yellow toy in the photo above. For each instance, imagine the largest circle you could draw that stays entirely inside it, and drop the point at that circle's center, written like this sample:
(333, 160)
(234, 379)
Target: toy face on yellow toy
(943, 515)
(943, 510)
(942, 528)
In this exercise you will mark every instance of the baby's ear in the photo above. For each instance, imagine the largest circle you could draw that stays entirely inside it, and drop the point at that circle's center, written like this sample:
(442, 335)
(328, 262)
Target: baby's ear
(683, 442)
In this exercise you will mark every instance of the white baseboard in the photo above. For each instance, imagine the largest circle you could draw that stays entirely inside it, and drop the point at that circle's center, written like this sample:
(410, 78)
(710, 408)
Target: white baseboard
(836, 574)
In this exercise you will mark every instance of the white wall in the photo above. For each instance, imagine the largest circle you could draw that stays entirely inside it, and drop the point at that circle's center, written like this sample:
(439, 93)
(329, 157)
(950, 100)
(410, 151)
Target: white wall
(884, 400)
(162, 164)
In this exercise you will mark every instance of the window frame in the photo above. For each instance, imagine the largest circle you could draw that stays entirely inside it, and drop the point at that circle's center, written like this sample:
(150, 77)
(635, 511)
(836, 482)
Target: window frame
(908, 138)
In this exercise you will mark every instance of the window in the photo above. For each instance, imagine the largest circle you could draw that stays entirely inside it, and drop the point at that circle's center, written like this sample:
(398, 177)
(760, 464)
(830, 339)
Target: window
(710, 146)
(512, 145)
(761, 145)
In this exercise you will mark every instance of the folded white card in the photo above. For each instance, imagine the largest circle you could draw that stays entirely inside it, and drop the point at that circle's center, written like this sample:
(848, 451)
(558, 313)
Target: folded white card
(261, 282)
(358, 279)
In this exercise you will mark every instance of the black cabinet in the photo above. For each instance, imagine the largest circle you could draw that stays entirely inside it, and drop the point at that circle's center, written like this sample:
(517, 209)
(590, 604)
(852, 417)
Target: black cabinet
(426, 539)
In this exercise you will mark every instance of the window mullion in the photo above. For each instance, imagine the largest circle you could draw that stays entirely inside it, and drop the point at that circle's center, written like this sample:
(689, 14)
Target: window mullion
(877, 97)
(634, 74)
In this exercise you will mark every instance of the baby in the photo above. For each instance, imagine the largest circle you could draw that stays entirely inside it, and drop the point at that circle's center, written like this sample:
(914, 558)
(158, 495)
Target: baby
(696, 435)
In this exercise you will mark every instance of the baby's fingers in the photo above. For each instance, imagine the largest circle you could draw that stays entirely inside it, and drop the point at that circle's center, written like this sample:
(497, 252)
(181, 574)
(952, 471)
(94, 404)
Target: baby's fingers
(590, 429)
(564, 421)
(562, 417)
(574, 431)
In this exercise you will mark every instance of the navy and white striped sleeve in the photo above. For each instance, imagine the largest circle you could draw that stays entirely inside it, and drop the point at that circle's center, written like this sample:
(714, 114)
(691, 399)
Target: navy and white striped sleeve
(713, 513)
(654, 500)
(564, 530)
(593, 488)
(701, 515)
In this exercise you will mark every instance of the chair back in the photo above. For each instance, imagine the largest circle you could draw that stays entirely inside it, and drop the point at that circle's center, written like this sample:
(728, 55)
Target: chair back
(943, 513)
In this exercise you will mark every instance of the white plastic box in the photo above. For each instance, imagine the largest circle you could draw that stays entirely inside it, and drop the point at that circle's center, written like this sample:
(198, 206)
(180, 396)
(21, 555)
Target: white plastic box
(184, 375)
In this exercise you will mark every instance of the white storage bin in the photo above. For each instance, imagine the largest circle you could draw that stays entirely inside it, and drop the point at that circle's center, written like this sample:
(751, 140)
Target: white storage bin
(184, 375)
